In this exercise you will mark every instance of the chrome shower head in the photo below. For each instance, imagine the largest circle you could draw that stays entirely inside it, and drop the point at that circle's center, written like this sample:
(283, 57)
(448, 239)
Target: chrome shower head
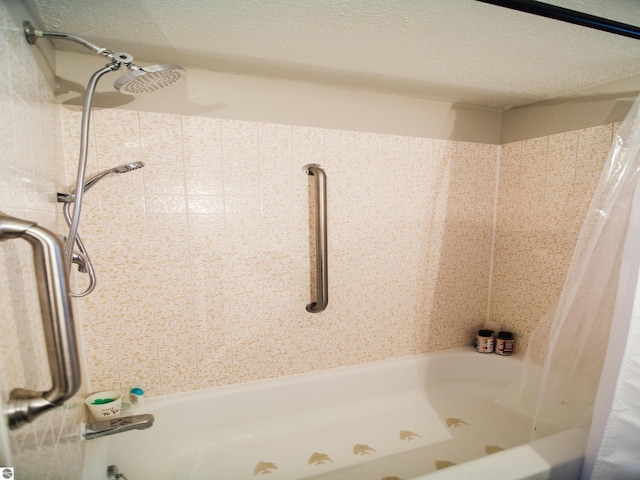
(136, 80)
(148, 79)
(127, 167)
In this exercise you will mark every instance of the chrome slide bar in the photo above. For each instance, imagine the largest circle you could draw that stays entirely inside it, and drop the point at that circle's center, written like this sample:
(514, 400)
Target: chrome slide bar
(322, 279)
(24, 405)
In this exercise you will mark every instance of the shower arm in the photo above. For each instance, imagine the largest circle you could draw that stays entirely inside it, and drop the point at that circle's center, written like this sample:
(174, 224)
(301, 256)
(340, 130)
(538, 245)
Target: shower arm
(33, 34)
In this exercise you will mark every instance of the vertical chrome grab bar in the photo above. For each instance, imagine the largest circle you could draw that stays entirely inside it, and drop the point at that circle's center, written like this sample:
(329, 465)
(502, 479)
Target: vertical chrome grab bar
(24, 405)
(322, 279)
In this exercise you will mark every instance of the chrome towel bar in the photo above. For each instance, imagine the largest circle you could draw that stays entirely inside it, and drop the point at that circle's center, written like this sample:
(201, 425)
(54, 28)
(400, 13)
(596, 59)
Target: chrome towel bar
(57, 322)
(322, 280)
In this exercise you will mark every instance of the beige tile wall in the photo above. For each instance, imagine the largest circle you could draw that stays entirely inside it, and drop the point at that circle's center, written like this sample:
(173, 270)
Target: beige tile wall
(31, 171)
(203, 256)
(546, 185)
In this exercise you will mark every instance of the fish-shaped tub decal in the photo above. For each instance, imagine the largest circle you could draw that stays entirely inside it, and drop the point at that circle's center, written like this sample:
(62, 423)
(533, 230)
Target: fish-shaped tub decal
(455, 422)
(492, 449)
(407, 435)
(319, 459)
(262, 468)
(440, 464)
(359, 449)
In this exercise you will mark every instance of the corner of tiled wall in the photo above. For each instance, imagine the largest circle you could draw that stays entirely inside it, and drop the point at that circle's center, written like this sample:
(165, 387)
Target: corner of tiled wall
(546, 185)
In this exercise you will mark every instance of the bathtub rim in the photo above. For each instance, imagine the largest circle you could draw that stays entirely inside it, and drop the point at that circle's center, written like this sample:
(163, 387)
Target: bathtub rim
(416, 364)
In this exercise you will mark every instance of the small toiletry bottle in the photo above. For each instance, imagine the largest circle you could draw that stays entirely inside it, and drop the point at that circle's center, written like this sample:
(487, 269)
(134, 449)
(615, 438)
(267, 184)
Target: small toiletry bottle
(137, 396)
(505, 343)
(484, 341)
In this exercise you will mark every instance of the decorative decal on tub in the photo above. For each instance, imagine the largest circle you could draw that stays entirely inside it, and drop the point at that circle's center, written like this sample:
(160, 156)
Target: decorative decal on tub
(455, 422)
(319, 459)
(262, 468)
(359, 449)
(440, 464)
(407, 435)
(492, 449)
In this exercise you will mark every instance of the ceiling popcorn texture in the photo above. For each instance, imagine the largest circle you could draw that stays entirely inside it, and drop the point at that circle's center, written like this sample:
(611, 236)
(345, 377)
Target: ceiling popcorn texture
(460, 51)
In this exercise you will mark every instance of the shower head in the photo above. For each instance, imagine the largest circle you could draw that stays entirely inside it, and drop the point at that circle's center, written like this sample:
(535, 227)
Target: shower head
(136, 80)
(148, 79)
(127, 167)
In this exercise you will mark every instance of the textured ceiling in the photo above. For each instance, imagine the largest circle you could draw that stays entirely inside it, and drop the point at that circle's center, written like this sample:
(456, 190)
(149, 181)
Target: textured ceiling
(460, 51)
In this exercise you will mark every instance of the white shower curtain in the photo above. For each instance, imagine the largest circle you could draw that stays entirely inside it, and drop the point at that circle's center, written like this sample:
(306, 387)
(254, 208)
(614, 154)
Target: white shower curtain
(566, 353)
(613, 449)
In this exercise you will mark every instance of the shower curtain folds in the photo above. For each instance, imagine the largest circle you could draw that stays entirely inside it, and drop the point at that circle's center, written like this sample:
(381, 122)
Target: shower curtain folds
(321, 266)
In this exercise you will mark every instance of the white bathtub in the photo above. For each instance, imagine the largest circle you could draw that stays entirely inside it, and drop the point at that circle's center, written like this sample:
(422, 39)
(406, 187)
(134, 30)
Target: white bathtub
(429, 416)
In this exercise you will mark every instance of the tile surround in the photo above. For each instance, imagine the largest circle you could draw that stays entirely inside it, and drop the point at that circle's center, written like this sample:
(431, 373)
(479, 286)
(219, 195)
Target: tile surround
(214, 236)
(31, 171)
(204, 258)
